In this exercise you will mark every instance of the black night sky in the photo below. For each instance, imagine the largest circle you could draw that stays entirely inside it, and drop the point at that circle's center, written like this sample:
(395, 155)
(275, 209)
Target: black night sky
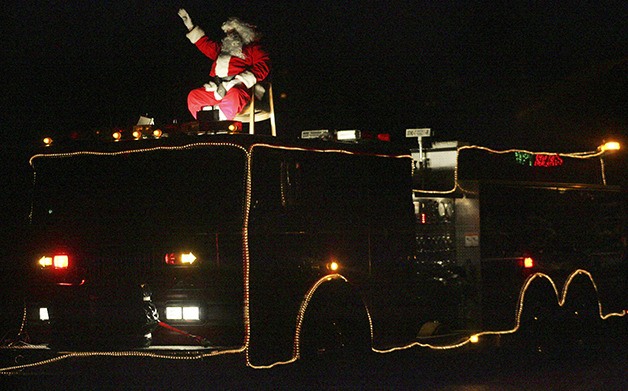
(540, 75)
(532, 73)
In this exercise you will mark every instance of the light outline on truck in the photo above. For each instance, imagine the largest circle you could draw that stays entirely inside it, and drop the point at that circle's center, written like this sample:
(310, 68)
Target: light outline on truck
(560, 297)
(575, 155)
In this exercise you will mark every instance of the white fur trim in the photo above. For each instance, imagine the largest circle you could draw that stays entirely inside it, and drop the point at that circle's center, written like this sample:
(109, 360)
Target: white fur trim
(246, 31)
(195, 34)
(222, 65)
(248, 78)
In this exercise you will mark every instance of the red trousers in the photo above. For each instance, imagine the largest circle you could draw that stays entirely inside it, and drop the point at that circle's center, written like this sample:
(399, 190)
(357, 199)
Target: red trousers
(231, 104)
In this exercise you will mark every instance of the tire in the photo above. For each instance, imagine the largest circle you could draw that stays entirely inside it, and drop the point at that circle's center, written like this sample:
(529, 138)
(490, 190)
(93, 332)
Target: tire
(582, 324)
(335, 325)
(539, 319)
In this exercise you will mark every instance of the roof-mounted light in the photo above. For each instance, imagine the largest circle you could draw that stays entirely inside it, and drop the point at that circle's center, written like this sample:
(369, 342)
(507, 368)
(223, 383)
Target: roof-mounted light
(383, 136)
(609, 146)
(315, 134)
(348, 135)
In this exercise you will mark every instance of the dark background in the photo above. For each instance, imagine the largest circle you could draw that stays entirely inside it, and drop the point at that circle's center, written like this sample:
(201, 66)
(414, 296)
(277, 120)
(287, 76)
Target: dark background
(546, 75)
(540, 75)
(550, 74)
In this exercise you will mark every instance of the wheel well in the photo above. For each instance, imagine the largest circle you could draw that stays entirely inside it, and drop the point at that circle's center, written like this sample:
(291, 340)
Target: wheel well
(334, 316)
(582, 295)
(539, 303)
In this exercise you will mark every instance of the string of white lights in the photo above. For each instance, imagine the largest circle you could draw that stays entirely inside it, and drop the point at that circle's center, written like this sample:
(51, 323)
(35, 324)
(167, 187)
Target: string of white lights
(457, 186)
(247, 304)
(561, 298)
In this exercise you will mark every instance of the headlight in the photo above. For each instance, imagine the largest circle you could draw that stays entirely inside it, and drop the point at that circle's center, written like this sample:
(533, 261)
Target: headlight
(183, 313)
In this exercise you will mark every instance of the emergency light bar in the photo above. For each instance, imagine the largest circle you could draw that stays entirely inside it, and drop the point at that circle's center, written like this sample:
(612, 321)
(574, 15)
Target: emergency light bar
(314, 134)
(419, 132)
(344, 135)
(348, 135)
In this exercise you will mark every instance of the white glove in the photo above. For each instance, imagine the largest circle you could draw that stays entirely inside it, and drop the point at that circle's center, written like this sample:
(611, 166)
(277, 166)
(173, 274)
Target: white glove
(231, 83)
(211, 86)
(222, 89)
(186, 19)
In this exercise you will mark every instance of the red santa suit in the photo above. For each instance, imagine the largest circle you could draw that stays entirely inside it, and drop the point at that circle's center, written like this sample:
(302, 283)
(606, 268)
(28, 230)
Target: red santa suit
(234, 75)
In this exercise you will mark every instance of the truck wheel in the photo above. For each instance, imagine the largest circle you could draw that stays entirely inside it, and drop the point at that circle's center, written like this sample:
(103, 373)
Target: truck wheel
(538, 320)
(582, 324)
(335, 325)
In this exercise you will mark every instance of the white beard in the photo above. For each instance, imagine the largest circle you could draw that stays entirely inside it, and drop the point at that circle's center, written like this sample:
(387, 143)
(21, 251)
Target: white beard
(232, 45)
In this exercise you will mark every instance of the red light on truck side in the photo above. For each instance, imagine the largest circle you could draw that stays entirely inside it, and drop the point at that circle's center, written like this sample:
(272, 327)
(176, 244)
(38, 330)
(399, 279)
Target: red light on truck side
(57, 261)
(60, 261)
(383, 137)
(170, 259)
(528, 263)
(180, 258)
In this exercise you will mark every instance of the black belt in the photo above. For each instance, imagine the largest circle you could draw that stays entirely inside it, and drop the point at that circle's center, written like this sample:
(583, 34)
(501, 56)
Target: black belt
(218, 79)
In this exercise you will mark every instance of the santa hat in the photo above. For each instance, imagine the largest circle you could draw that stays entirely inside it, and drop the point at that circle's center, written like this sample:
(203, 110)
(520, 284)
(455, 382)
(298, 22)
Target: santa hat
(248, 32)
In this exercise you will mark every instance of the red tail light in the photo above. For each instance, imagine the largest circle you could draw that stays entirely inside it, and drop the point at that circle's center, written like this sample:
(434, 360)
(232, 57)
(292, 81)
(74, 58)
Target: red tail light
(170, 258)
(528, 263)
(60, 261)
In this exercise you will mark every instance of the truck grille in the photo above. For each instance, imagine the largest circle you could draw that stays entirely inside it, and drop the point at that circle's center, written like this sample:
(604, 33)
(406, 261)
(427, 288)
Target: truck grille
(137, 269)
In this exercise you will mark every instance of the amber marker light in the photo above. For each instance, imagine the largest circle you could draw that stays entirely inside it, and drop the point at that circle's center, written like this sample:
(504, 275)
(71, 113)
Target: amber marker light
(137, 134)
(609, 146)
(116, 136)
(188, 258)
(157, 133)
(333, 266)
(47, 141)
(45, 261)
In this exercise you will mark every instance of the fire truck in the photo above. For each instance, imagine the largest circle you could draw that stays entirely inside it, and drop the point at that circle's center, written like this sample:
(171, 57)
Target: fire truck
(283, 248)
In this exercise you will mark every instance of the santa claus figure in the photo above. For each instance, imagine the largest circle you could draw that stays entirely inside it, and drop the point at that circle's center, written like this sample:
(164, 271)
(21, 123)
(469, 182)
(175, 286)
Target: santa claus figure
(239, 62)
